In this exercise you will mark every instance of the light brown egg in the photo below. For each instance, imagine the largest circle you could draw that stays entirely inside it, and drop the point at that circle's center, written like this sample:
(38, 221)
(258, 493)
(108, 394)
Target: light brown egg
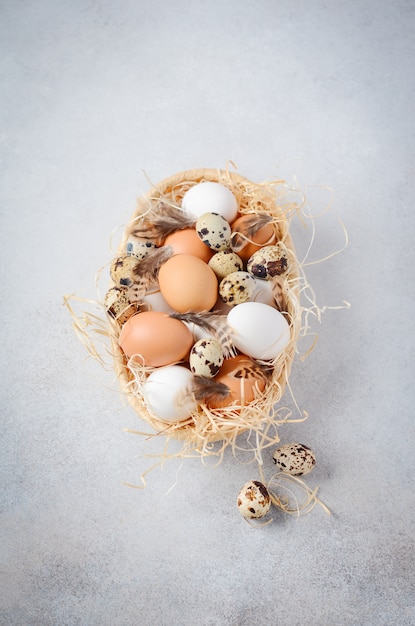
(187, 241)
(240, 374)
(188, 284)
(155, 338)
(264, 236)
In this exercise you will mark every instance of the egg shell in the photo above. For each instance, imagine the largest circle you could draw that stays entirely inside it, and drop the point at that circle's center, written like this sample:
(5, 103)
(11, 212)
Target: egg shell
(154, 301)
(188, 284)
(118, 305)
(237, 287)
(214, 231)
(264, 236)
(206, 357)
(155, 338)
(254, 500)
(138, 248)
(269, 261)
(207, 197)
(295, 459)
(122, 270)
(258, 330)
(225, 262)
(167, 393)
(239, 374)
(187, 241)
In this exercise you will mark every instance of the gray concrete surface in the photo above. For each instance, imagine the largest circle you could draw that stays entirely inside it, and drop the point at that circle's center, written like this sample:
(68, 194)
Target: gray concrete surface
(94, 94)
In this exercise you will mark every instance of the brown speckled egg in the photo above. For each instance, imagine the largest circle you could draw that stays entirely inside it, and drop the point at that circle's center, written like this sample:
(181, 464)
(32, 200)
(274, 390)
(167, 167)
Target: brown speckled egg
(295, 459)
(237, 287)
(118, 305)
(139, 248)
(225, 262)
(254, 500)
(122, 270)
(269, 261)
(214, 230)
(206, 357)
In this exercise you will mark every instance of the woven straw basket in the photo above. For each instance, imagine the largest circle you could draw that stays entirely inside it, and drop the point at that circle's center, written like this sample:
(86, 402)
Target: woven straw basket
(205, 425)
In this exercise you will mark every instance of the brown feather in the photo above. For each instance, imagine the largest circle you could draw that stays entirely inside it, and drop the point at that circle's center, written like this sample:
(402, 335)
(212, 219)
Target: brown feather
(208, 389)
(211, 323)
(161, 221)
(248, 229)
(146, 270)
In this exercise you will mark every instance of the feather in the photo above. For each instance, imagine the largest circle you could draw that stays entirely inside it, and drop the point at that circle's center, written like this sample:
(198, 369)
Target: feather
(248, 229)
(208, 389)
(146, 270)
(161, 221)
(279, 291)
(212, 323)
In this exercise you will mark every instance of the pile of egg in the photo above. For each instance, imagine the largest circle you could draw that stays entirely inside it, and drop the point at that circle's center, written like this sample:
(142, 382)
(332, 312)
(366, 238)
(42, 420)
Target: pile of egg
(202, 273)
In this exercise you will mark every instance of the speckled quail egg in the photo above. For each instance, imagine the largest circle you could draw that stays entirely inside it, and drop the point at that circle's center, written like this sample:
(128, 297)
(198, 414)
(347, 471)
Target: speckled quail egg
(206, 357)
(269, 261)
(139, 248)
(118, 305)
(225, 262)
(237, 287)
(214, 230)
(122, 270)
(254, 500)
(295, 459)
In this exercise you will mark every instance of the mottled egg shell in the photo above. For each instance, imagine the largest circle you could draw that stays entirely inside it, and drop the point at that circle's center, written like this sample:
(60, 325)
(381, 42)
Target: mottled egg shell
(187, 241)
(167, 393)
(254, 500)
(122, 270)
(188, 284)
(295, 459)
(269, 261)
(258, 330)
(237, 287)
(245, 382)
(209, 196)
(225, 262)
(214, 231)
(206, 357)
(264, 236)
(118, 305)
(138, 248)
(155, 338)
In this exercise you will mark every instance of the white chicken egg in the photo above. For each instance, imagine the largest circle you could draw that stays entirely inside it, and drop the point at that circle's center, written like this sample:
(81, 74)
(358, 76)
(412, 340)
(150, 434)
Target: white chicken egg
(167, 393)
(254, 500)
(208, 197)
(258, 330)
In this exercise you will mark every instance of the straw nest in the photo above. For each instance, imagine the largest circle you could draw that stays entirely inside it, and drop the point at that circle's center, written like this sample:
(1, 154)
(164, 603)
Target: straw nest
(261, 416)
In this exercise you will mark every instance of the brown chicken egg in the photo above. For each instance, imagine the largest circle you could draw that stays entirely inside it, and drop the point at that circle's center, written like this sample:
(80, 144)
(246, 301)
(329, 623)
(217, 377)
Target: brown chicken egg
(155, 338)
(188, 284)
(187, 241)
(264, 236)
(242, 376)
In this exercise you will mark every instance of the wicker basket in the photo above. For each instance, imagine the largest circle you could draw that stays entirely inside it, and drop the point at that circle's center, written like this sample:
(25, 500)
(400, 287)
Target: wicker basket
(205, 425)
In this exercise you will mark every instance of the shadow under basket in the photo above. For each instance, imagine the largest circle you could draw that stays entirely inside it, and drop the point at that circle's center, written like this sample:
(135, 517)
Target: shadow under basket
(207, 425)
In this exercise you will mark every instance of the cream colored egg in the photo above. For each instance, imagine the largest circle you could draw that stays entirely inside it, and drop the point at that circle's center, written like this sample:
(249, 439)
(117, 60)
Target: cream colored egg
(269, 261)
(214, 230)
(206, 357)
(237, 287)
(225, 262)
(295, 459)
(122, 270)
(139, 248)
(254, 500)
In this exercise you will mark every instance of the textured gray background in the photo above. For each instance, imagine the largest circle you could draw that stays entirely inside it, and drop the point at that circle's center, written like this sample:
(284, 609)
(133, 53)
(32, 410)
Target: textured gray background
(93, 94)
